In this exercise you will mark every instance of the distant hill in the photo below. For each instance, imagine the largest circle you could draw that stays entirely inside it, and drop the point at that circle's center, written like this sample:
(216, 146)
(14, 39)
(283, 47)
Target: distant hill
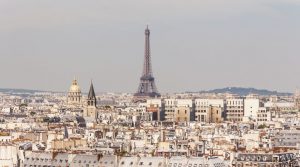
(18, 91)
(245, 91)
(233, 90)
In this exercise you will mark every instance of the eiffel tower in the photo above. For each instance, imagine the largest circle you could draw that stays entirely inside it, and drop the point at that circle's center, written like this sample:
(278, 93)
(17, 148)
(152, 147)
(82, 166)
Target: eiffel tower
(147, 88)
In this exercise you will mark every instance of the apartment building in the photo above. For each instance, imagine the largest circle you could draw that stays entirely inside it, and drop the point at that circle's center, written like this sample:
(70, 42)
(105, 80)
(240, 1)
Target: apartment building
(234, 109)
(209, 110)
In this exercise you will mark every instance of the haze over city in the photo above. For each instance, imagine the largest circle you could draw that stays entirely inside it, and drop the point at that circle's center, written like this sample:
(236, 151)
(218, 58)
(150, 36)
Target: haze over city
(195, 45)
(157, 83)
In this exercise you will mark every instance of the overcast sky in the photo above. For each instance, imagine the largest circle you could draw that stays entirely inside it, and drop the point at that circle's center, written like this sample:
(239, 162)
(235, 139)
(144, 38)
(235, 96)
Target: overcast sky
(195, 44)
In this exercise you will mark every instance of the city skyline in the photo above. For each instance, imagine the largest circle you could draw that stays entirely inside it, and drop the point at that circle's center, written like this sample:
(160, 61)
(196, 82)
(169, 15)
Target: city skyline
(155, 83)
(196, 46)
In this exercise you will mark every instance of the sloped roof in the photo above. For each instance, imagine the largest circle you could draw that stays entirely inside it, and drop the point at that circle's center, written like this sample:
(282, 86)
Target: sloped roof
(91, 94)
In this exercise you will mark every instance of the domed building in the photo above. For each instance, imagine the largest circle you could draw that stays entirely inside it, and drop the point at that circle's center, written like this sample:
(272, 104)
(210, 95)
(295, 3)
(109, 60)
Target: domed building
(74, 95)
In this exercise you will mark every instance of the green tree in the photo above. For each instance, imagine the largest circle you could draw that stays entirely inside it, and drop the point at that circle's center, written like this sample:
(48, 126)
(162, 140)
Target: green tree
(262, 126)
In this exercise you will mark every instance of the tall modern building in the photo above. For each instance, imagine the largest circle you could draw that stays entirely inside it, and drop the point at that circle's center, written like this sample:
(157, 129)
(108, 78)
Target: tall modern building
(147, 88)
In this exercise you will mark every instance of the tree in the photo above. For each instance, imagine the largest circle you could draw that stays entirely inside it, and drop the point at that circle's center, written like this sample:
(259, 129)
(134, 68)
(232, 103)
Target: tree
(262, 126)
(23, 105)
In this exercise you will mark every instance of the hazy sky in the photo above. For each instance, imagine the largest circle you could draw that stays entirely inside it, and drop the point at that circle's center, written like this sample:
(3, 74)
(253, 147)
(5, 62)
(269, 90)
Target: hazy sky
(195, 44)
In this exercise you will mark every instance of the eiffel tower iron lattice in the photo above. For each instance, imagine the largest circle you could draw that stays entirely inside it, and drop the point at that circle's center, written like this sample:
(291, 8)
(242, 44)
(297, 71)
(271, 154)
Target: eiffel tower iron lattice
(147, 87)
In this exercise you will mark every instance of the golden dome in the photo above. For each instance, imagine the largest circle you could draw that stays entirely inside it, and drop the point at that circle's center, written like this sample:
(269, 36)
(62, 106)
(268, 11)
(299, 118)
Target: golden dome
(74, 87)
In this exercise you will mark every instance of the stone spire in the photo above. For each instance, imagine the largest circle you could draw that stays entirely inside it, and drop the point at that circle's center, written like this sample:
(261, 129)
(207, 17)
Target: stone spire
(92, 101)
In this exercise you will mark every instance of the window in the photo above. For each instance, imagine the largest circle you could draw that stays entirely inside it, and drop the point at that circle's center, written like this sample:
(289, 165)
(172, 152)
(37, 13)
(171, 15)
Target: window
(202, 118)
